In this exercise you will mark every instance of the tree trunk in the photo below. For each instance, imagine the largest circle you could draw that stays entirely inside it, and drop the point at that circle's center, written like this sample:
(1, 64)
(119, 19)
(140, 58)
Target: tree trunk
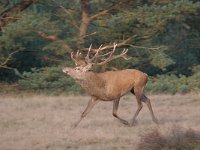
(85, 21)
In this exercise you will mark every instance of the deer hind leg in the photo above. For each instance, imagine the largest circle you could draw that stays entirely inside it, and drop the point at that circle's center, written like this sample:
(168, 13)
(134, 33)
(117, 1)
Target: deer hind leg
(138, 93)
(148, 103)
(89, 107)
(115, 108)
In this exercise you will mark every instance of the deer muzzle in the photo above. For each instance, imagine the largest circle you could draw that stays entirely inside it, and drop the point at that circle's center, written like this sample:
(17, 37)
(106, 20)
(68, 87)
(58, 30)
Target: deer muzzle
(66, 70)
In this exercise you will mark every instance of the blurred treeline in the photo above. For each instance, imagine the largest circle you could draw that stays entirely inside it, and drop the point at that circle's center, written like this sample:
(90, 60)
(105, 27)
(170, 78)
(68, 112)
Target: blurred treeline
(37, 37)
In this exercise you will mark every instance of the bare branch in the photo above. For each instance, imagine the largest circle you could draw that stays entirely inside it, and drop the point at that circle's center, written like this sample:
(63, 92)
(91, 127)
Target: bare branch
(5, 67)
(72, 20)
(109, 46)
(113, 7)
(104, 12)
(47, 37)
(52, 38)
(15, 70)
(4, 4)
(93, 33)
(142, 47)
(11, 18)
(5, 16)
(3, 64)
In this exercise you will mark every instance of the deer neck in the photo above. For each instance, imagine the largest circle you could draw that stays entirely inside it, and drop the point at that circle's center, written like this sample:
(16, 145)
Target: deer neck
(92, 83)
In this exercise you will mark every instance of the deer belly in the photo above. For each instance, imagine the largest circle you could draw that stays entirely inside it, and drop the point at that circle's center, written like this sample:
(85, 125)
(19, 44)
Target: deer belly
(106, 95)
(115, 92)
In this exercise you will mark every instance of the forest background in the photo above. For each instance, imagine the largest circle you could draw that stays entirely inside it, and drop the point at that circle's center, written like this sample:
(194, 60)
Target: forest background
(37, 37)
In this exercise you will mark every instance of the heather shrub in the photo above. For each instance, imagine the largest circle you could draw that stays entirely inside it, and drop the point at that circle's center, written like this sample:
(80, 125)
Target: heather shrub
(50, 81)
(174, 84)
(176, 138)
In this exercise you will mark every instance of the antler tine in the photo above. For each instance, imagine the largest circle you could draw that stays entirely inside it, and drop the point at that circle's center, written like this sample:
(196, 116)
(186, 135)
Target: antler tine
(78, 53)
(112, 52)
(72, 56)
(87, 58)
(94, 57)
(76, 58)
(96, 54)
(124, 51)
(109, 57)
(123, 55)
(105, 54)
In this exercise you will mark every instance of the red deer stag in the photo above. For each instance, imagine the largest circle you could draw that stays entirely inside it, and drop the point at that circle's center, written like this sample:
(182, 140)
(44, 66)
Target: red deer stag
(109, 85)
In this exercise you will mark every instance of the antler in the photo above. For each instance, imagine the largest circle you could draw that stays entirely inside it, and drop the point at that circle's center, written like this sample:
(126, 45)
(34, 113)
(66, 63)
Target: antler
(89, 62)
(111, 56)
(87, 58)
(74, 58)
(77, 59)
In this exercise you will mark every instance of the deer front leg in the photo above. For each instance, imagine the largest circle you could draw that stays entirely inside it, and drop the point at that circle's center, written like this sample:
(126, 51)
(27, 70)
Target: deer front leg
(115, 108)
(89, 107)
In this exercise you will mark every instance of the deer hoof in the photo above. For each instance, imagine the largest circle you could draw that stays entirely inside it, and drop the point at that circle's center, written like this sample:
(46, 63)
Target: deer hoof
(73, 126)
(155, 121)
(134, 123)
(125, 122)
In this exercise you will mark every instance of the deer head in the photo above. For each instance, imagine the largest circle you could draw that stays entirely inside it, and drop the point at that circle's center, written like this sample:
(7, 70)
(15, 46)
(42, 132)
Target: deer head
(85, 65)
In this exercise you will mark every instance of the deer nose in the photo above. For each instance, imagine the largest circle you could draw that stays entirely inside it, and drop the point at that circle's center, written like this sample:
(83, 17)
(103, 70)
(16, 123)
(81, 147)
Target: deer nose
(65, 70)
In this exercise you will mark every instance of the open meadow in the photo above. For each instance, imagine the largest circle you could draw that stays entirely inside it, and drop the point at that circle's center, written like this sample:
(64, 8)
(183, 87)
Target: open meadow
(37, 122)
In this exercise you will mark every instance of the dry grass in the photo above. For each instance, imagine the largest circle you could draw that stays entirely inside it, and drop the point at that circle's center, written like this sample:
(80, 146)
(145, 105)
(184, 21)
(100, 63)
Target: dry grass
(42, 122)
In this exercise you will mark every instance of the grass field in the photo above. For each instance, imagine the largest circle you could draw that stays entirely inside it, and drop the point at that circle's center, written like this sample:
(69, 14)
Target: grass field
(42, 122)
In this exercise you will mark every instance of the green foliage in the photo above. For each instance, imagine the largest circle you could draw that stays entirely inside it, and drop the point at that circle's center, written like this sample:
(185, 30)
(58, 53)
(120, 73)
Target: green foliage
(49, 80)
(168, 84)
(165, 42)
(24, 30)
(161, 60)
(24, 37)
(167, 26)
(20, 39)
(174, 84)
